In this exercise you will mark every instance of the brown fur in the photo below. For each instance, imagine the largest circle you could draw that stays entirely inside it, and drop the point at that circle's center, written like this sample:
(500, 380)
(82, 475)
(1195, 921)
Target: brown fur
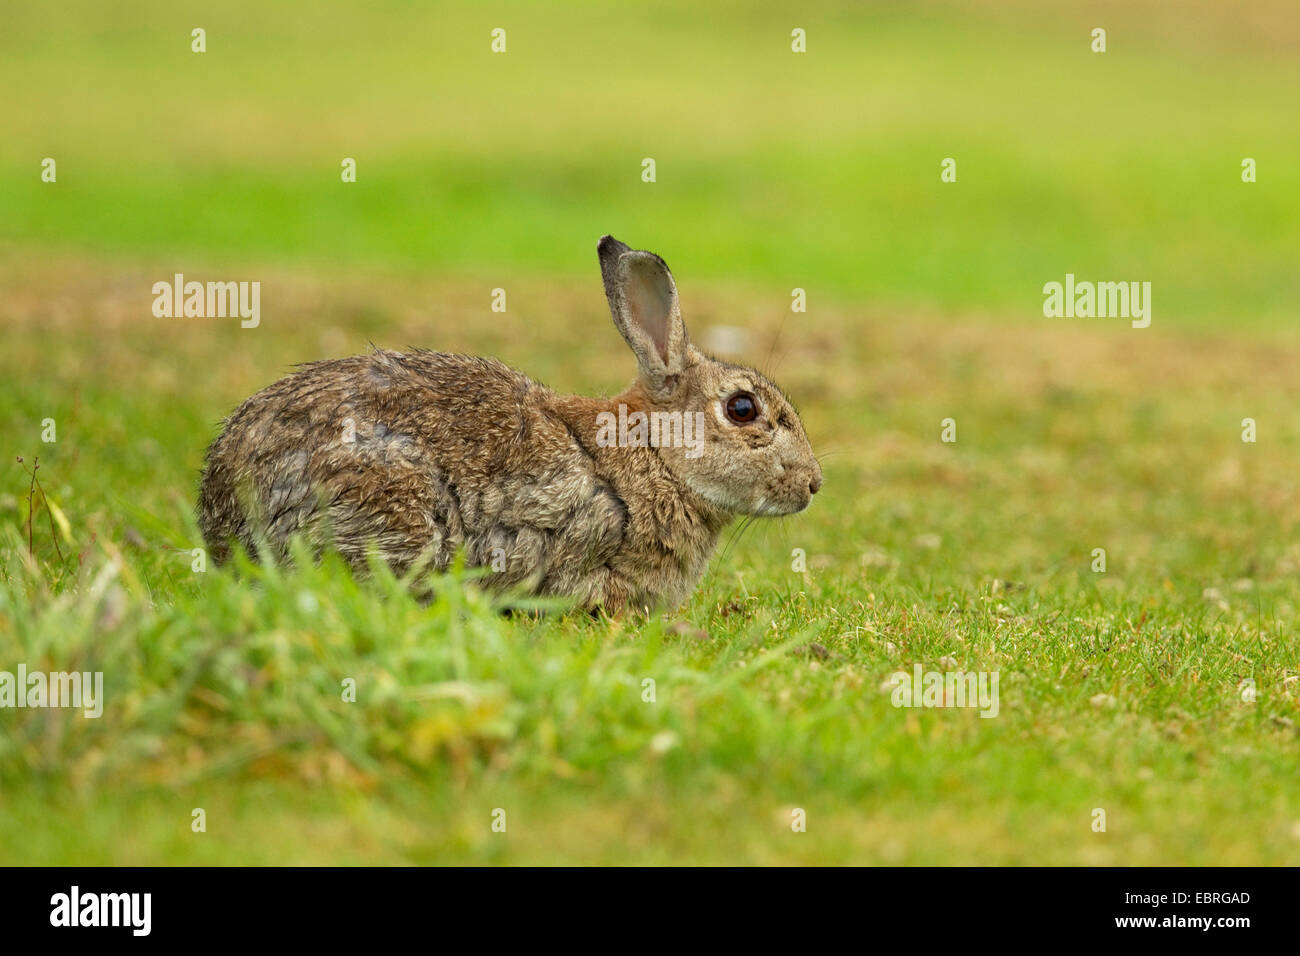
(453, 452)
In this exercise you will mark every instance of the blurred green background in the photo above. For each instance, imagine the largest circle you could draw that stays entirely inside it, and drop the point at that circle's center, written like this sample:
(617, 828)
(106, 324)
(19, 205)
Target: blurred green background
(818, 170)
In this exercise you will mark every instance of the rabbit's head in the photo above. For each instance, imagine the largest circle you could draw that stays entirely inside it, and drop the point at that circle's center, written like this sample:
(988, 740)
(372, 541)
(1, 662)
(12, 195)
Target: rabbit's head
(727, 431)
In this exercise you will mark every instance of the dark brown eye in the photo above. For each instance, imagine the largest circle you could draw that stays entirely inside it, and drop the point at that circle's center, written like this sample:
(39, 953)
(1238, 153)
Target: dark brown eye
(742, 408)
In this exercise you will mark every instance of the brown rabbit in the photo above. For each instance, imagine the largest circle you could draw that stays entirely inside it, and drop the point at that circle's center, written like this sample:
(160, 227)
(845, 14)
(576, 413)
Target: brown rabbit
(617, 502)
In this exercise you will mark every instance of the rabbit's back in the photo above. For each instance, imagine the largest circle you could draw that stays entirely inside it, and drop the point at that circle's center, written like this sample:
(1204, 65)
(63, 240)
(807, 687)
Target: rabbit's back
(411, 453)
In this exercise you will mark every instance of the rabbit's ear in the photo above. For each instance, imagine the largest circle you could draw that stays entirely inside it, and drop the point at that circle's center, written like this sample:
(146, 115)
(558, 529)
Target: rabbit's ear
(643, 301)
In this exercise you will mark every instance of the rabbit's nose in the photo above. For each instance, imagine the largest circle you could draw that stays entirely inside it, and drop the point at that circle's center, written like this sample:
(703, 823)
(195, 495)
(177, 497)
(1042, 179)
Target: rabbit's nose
(815, 485)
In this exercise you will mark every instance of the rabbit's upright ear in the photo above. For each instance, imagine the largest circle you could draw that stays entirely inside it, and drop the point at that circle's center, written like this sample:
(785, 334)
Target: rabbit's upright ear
(643, 301)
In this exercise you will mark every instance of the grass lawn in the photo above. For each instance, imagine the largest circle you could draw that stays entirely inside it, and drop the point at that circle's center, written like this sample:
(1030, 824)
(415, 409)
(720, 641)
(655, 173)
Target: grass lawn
(1119, 690)
(1126, 690)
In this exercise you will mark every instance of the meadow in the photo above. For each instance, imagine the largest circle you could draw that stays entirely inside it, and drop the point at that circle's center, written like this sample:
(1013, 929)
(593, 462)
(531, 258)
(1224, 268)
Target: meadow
(1163, 690)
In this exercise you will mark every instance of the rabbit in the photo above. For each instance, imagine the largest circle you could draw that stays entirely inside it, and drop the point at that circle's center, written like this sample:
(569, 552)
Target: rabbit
(416, 455)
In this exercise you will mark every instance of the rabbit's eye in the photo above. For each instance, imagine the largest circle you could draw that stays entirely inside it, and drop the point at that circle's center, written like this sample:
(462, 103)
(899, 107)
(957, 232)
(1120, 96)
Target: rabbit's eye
(742, 408)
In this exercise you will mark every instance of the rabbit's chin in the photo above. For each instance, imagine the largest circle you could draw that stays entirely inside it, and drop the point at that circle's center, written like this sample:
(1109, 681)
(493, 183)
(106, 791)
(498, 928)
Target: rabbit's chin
(763, 506)
(766, 508)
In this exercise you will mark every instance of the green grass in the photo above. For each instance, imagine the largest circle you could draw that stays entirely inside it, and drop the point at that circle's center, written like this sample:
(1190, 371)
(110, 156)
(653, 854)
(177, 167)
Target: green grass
(1119, 690)
(224, 690)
